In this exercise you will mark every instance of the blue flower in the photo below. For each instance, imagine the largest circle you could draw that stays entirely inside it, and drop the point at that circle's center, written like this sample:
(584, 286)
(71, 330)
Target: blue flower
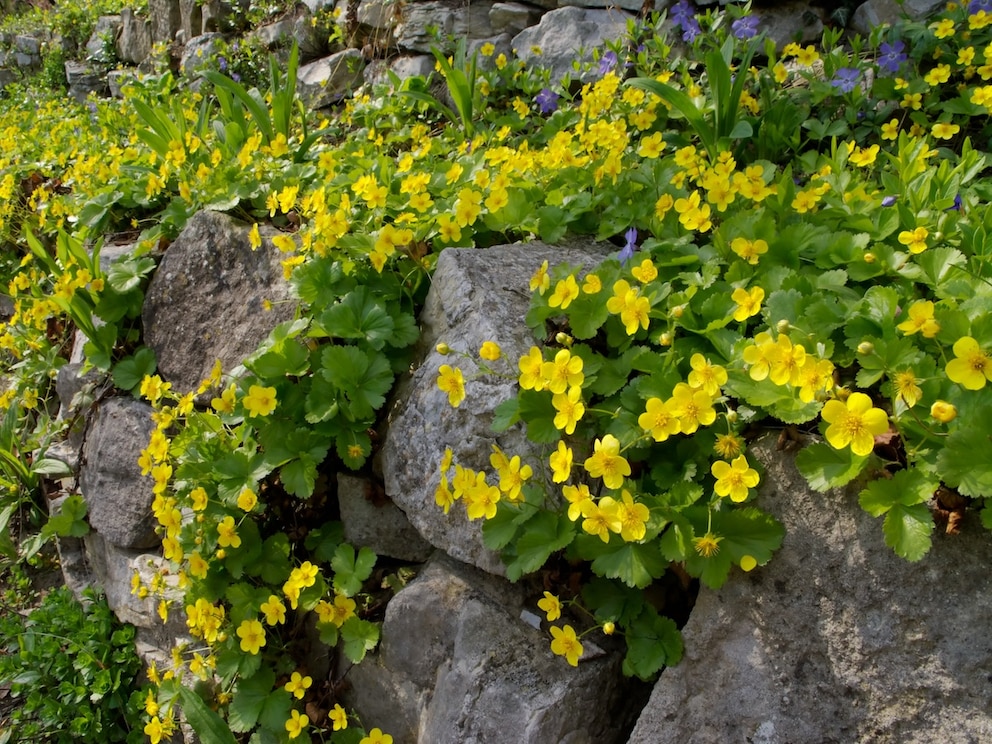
(845, 79)
(888, 201)
(977, 5)
(628, 250)
(547, 101)
(892, 56)
(607, 62)
(956, 207)
(683, 16)
(745, 28)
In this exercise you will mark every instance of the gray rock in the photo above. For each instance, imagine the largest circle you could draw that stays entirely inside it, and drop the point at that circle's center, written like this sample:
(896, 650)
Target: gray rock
(412, 66)
(630, 5)
(791, 21)
(84, 79)
(457, 664)
(512, 18)
(427, 24)
(326, 80)
(117, 79)
(475, 296)
(166, 18)
(378, 523)
(836, 639)
(102, 42)
(377, 14)
(134, 43)
(277, 34)
(205, 301)
(199, 53)
(569, 34)
(880, 12)
(191, 18)
(29, 45)
(118, 496)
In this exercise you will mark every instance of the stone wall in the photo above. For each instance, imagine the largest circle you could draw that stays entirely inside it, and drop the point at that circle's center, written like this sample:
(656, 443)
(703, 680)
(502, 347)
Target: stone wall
(836, 640)
(383, 35)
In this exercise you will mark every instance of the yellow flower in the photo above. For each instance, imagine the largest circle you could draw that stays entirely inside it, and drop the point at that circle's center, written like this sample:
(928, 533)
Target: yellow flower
(633, 517)
(451, 381)
(706, 376)
(971, 367)
(607, 463)
(297, 724)
(274, 610)
(905, 388)
(260, 401)
(252, 636)
(943, 28)
(920, 319)
(565, 643)
(890, 130)
(565, 291)
(734, 479)
(563, 372)
(490, 351)
(646, 272)
(153, 388)
(569, 409)
(943, 411)
(247, 499)
(659, 420)
(376, 736)
(632, 308)
(748, 302)
(693, 407)
(708, 545)
(749, 250)
(540, 281)
(944, 130)
(856, 423)
(728, 445)
(592, 284)
(530, 367)
(561, 463)
(227, 533)
(551, 606)
(298, 685)
(339, 718)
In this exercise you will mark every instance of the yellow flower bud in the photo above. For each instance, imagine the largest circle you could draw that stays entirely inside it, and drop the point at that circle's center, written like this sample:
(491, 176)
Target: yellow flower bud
(866, 347)
(609, 627)
(943, 411)
(869, 257)
(783, 326)
(443, 349)
(564, 339)
(665, 339)
(677, 311)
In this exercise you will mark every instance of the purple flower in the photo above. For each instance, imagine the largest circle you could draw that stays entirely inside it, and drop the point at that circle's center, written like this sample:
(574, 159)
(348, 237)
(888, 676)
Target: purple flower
(683, 16)
(607, 62)
(956, 207)
(892, 56)
(628, 250)
(977, 5)
(745, 28)
(547, 101)
(221, 64)
(845, 79)
(888, 201)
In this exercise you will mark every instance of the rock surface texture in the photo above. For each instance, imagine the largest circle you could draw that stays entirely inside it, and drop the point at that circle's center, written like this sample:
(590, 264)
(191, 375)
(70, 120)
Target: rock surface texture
(457, 664)
(837, 639)
(475, 296)
(207, 298)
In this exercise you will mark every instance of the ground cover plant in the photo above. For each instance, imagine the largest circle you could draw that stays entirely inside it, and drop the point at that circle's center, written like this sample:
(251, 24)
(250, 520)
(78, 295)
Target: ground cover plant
(801, 242)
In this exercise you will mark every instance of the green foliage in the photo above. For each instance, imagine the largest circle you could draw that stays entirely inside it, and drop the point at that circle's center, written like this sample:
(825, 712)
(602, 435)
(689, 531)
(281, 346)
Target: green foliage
(70, 669)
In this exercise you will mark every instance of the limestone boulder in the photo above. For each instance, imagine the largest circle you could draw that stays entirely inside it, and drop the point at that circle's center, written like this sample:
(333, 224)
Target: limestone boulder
(569, 34)
(84, 80)
(165, 17)
(103, 41)
(118, 496)
(373, 521)
(512, 18)
(207, 299)
(325, 81)
(879, 12)
(791, 21)
(476, 295)
(134, 43)
(457, 663)
(419, 26)
(837, 639)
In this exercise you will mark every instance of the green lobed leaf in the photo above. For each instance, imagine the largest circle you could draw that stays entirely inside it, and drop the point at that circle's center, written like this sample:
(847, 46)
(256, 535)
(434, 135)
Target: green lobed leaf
(543, 535)
(635, 564)
(825, 467)
(965, 462)
(207, 724)
(653, 642)
(907, 530)
(906, 488)
(249, 698)
(351, 569)
(359, 636)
